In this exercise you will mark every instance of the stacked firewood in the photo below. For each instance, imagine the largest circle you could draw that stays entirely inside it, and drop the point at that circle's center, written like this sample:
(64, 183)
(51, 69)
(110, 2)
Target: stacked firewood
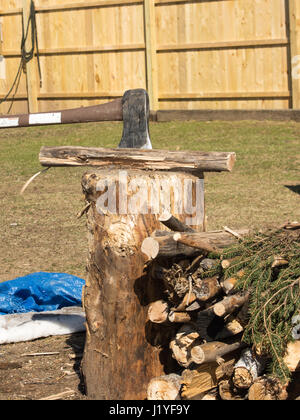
(207, 316)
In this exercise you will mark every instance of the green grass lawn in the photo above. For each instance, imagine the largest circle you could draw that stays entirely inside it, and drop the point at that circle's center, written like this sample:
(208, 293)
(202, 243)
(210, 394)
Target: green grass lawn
(40, 231)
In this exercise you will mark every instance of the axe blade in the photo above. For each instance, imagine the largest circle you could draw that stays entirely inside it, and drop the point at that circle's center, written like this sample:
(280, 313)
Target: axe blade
(135, 104)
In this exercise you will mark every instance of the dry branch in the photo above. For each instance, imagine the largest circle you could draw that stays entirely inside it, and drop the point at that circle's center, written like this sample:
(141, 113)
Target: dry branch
(137, 158)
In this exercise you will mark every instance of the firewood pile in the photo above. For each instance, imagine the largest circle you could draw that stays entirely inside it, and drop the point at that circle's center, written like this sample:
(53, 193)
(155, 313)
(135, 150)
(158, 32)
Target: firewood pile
(230, 309)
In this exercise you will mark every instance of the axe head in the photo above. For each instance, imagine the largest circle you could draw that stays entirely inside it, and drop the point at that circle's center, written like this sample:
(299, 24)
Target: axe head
(135, 105)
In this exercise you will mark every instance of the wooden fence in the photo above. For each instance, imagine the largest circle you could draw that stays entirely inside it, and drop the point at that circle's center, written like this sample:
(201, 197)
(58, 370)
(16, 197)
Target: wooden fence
(188, 54)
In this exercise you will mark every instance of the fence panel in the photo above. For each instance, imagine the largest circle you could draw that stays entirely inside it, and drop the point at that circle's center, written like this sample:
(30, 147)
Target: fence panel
(189, 54)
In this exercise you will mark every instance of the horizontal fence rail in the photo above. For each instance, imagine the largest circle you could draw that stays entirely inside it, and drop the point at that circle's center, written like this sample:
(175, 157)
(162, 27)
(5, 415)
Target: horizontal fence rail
(188, 54)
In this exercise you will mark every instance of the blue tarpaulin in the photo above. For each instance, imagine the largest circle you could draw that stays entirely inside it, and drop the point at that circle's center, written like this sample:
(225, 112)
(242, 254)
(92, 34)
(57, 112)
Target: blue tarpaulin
(40, 292)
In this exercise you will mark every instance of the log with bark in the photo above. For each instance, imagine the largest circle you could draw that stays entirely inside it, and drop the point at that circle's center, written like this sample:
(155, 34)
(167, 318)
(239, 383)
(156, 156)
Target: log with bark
(230, 303)
(214, 350)
(170, 244)
(155, 159)
(247, 369)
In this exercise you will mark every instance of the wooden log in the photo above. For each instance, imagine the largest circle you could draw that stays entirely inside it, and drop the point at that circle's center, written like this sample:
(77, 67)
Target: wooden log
(230, 303)
(292, 356)
(229, 284)
(226, 263)
(165, 387)
(137, 158)
(163, 244)
(267, 388)
(206, 376)
(120, 341)
(207, 288)
(179, 317)
(232, 327)
(279, 261)
(228, 392)
(174, 224)
(181, 344)
(208, 264)
(247, 369)
(214, 350)
(158, 312)
(194, 242)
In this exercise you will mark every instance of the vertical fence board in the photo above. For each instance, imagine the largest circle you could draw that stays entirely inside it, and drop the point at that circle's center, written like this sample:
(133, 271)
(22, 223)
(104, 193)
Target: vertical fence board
(294, 9)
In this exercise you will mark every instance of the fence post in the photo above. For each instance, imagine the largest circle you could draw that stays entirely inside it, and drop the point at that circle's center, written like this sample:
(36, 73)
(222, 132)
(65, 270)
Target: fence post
(294, 36)
(151, 58)
(31, 66)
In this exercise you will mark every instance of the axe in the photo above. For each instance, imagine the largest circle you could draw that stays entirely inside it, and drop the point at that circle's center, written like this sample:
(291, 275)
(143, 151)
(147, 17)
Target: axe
(132, 109)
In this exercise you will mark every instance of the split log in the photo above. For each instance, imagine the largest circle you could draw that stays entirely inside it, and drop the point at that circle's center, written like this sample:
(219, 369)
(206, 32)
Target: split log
(137, 158)
(163, 244)
(247, 369)
(118, 291)
(206, 376)
(292, 356)
(158, 312)
(214, 350)
(267, 388)
(228, 392)
(230, 304)
(166, 387)
(174, 224)
(181, 344)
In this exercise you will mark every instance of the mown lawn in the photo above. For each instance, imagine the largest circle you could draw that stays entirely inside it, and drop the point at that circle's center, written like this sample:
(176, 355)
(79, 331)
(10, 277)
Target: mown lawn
(40, 230)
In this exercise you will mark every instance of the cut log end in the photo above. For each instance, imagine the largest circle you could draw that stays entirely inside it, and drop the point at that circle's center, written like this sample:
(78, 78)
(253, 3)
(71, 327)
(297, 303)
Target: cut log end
(165, 387)
(150, 247)
(158, 312)
(242, 378)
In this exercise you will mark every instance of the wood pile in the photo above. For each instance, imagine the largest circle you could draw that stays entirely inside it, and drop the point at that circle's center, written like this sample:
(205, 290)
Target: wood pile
(207, 316)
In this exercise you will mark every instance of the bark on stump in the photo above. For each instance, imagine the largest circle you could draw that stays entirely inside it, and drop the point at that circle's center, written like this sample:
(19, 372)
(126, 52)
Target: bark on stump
(121, 356)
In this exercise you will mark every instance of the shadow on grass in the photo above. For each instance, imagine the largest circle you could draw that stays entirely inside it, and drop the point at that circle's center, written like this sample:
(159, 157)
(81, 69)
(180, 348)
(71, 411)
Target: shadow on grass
(294, 188)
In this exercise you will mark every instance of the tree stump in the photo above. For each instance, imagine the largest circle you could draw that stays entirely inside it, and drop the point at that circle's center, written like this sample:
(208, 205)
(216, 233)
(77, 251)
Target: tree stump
(123, 349)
